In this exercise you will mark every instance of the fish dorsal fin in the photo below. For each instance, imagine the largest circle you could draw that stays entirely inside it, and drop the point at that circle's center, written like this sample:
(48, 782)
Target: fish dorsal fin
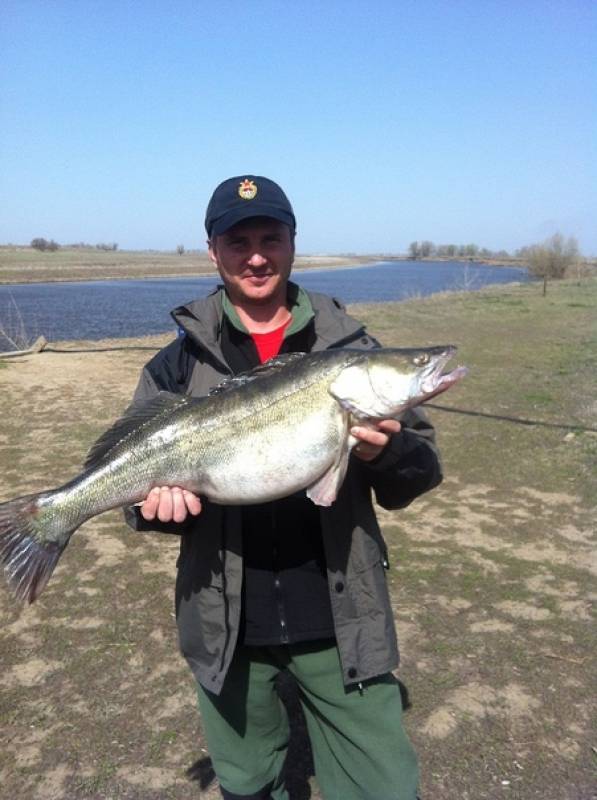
(271, 367)
(134, 418)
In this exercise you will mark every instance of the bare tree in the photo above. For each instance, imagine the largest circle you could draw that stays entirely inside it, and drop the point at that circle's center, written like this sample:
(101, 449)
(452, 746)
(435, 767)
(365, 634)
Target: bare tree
(446, 250)
(553, 258)
(180, 249)
(414, 250)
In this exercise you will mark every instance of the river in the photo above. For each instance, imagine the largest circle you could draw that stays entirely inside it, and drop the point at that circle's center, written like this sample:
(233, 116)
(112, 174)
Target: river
(124, 308)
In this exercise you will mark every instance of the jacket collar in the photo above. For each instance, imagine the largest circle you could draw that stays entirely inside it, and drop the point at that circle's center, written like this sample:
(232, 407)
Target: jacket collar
(201, 320)
(298, 303)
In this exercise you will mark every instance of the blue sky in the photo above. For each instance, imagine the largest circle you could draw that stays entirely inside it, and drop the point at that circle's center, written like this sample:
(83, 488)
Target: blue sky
(386, 122)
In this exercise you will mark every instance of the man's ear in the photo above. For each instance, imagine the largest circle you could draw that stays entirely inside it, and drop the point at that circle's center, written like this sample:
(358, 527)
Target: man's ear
(211, 250)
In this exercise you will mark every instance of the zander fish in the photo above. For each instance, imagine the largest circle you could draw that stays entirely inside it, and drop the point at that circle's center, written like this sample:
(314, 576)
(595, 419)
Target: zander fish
(283, 427)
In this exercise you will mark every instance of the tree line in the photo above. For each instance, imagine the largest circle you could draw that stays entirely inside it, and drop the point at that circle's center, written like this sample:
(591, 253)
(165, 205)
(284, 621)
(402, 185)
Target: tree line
(425, 249)
(552, 259)
(42, 244)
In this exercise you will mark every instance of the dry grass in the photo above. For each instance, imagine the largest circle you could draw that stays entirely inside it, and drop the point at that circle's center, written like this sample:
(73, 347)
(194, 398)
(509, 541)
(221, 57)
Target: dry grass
(25, 265)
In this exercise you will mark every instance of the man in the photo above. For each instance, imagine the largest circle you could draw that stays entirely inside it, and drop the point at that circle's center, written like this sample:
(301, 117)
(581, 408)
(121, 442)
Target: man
(286, 585)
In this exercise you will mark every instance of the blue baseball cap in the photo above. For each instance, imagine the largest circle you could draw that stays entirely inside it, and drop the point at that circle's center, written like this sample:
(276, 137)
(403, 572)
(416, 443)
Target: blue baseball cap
(245, 196)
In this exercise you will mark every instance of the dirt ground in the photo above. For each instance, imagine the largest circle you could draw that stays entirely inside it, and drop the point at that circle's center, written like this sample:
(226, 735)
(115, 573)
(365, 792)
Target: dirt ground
(493, 591)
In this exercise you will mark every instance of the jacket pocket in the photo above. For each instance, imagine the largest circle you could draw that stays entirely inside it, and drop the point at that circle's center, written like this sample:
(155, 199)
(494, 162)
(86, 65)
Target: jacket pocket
(202, 626)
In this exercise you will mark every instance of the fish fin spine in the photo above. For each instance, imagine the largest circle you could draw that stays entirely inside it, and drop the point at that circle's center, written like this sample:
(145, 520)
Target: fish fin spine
(27, 560)
(136, 417)
(265, 370)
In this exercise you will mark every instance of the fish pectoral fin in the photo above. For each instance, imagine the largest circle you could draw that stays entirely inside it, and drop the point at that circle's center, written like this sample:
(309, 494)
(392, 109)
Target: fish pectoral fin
(325, 490)
(135, 417)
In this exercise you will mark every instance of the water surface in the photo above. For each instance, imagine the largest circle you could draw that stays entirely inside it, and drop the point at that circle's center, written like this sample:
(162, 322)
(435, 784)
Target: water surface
(124, 308)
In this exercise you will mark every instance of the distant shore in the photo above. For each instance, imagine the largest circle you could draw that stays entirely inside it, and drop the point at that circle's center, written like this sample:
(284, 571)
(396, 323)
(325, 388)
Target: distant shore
(26, 265)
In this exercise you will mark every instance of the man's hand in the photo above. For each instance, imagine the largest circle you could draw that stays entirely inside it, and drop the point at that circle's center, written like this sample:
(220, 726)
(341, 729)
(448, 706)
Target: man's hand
(373, 437)
(170, 504)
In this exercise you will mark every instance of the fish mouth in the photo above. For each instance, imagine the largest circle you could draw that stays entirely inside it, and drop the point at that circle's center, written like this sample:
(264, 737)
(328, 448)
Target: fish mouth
(438, 381)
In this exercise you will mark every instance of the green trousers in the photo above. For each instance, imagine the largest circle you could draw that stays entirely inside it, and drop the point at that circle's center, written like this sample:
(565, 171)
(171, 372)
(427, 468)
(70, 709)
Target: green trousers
(360, 749)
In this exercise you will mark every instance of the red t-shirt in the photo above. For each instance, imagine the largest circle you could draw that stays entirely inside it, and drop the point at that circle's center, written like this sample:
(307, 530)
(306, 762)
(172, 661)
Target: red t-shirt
(268, 344)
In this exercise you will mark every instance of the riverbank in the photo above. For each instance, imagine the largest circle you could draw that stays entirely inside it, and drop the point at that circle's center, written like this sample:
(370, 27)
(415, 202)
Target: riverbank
(492, 575)
(26, 265)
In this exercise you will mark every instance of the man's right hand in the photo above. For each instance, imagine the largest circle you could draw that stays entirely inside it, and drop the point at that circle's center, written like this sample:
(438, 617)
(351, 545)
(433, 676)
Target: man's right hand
(170, 504)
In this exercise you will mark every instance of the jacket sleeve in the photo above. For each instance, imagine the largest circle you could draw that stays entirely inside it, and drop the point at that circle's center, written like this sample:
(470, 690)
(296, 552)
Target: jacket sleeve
(408, 466)
(147, 388)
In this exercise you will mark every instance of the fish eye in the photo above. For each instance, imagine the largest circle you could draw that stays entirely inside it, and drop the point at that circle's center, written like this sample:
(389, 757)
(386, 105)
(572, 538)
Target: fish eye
(421, 360)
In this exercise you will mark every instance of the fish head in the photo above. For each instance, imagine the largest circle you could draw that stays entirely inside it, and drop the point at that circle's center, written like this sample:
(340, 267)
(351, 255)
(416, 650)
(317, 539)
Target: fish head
(386, 382)
(405, 377)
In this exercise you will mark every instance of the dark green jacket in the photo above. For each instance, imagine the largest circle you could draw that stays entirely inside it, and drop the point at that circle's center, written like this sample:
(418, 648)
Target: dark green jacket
(210, 571)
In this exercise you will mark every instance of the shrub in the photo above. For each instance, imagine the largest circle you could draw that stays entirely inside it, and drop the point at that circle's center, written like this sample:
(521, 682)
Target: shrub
(553, 258)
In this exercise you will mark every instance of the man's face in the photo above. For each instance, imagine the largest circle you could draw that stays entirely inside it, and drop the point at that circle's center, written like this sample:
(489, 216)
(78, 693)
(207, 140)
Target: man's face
(254, 259)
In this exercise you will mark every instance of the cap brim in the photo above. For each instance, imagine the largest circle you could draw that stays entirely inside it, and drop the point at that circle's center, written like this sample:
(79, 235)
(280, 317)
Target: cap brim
(236, 215)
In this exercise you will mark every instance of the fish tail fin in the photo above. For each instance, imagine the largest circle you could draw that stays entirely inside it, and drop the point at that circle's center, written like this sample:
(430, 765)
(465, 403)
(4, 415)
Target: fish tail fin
(26, 553)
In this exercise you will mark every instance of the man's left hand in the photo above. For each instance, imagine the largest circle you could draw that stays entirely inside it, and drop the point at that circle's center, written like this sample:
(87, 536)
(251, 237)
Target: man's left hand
(373, 437)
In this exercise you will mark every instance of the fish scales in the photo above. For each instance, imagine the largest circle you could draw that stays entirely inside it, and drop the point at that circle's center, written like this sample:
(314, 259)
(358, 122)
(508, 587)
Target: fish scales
(269, 453)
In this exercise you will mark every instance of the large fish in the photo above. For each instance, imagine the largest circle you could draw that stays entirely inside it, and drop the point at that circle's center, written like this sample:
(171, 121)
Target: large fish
(283, 427)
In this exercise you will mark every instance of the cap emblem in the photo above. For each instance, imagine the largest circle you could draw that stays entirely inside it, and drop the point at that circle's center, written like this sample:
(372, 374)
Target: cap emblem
(247, 189)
